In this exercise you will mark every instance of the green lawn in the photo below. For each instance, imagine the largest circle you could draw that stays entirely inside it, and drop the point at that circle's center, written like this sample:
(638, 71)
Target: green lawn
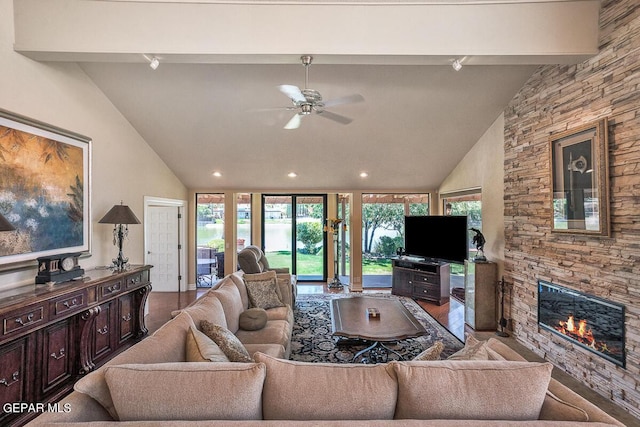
(312, 264)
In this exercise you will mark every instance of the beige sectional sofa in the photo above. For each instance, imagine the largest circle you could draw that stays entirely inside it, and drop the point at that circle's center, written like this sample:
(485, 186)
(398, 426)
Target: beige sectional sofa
(153, 384)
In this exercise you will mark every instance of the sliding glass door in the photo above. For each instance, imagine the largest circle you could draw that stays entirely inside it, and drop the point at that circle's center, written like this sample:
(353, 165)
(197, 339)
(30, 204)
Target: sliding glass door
(292, 234)
(383, 232)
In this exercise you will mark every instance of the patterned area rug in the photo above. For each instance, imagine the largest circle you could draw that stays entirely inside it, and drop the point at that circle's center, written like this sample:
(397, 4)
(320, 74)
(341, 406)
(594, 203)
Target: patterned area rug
(312, 340)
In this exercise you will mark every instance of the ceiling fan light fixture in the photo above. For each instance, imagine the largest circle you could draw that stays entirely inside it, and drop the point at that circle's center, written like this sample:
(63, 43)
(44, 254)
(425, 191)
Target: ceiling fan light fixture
(306, 109)
(457, 65)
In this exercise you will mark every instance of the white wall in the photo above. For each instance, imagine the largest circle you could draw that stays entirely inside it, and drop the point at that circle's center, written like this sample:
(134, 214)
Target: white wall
(124, 166)
(483, 167)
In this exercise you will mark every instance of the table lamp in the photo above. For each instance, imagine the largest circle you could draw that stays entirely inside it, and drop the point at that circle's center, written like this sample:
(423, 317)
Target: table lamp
(121, 216)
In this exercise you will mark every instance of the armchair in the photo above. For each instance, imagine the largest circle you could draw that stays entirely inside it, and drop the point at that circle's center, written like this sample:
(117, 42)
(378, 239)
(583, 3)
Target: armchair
(251, 260)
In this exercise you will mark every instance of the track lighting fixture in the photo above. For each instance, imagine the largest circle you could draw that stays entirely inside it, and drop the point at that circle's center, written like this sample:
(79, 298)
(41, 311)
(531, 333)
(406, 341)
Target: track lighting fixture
(457, 65)
(154, 63)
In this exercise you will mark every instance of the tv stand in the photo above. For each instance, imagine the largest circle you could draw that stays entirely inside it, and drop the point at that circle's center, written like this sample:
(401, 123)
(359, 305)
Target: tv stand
(428, 279)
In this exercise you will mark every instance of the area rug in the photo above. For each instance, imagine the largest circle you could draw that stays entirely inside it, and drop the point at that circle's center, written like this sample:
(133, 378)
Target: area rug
(312, 341)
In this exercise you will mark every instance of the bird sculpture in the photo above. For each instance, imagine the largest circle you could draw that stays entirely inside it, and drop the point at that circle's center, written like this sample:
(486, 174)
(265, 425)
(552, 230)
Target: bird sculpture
(479, 241)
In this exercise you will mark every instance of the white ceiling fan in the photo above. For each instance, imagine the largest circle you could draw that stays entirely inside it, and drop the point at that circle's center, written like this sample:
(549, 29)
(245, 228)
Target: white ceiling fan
(306, 101)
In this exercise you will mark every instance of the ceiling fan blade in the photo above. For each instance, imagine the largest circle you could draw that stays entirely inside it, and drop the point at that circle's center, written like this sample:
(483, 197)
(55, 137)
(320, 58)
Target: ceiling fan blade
(351, 99)
(294, 123)
(335, 117)
(293, 92)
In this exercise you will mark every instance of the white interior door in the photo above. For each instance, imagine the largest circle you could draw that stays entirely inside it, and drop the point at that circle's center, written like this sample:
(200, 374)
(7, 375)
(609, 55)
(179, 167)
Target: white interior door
(163, 247)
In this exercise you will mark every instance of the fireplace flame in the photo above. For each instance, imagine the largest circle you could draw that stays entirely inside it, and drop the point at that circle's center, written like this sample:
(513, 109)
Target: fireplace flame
(581, 333)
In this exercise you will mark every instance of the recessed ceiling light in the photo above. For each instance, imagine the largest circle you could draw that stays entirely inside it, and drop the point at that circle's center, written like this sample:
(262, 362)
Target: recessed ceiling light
(363, 174)
(292, 174)
(457, 65)
(217, 174)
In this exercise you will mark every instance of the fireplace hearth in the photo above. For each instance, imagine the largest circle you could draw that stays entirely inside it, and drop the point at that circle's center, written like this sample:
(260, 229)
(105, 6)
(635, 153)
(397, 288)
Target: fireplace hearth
(590, 322)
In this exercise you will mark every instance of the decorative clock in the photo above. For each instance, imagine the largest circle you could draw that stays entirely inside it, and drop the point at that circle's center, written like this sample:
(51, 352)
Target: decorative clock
(58, 268)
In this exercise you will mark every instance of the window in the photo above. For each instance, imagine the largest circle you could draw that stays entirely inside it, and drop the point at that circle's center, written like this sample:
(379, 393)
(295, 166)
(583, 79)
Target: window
(469, 204)
(243, 207)
(383, 232)
(209, 238)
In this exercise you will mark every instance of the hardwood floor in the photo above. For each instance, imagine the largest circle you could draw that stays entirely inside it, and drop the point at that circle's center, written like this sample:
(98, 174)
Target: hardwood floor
(450, 315)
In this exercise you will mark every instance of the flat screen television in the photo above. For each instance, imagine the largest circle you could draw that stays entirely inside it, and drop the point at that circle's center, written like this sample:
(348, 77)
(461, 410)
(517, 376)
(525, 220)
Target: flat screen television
(440, 237)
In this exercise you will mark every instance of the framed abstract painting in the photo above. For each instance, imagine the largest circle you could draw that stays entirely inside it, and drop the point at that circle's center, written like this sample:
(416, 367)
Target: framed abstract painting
(45, 182)
(580, 180)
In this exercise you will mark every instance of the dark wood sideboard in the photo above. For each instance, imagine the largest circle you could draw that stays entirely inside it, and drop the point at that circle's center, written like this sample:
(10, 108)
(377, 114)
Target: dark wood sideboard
(52, 335)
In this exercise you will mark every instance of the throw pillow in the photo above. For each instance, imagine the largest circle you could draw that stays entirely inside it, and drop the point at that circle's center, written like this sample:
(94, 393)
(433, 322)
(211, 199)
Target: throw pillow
(253, 319)
(187, 391)
(263, 293)
(468, 390)
(432, 353)
(473, 350)
(228, 343)
(201, 348)
(267, 275)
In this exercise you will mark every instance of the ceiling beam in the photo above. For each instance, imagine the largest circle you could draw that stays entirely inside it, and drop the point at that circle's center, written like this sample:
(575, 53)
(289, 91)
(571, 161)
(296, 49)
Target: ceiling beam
(351, 33)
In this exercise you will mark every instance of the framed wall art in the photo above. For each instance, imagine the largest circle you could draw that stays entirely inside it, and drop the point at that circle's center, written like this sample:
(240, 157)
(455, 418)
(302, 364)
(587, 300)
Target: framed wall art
(580, 180)
(44, 190)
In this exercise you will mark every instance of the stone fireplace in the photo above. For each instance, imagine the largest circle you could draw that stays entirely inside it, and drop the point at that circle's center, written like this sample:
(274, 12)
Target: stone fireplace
(590, 322)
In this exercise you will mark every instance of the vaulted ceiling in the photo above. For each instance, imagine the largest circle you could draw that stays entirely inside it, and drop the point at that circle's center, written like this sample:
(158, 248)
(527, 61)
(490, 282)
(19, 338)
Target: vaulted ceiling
(209, 106)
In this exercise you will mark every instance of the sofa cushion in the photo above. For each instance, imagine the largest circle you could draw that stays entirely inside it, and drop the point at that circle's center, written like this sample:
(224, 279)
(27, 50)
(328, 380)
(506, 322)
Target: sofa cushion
(281, 313)
(208, 307)
(187, 391)
(201, 348)
(274, 332)
(432, 353)
(263, 290)
(253, 319)
(237, 280)
(477, 390)
(273, 350)
(473, 350)
(326, 391)
(228, 343)
(231, 300)
(167, 344)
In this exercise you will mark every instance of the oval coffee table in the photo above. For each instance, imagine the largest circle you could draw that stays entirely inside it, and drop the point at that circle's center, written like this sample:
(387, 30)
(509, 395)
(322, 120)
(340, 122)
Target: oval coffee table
(350, 320)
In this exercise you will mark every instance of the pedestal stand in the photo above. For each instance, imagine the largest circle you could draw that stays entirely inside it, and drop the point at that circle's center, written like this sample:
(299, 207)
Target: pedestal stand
(333, 226)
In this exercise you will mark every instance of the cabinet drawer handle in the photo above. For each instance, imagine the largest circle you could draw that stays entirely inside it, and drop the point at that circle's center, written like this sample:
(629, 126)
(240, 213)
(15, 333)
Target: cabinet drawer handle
(73, 303)
(104, 330)
(135, 280)
(127, 317)
(14, 379)
(29, 320)
(58, 356)
(113, 288)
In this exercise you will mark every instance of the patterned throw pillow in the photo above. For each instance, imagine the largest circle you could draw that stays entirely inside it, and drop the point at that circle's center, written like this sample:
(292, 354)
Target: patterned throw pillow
(432, 353)
(201, 348)
(264, 276)
(263, 293)
(228, 343)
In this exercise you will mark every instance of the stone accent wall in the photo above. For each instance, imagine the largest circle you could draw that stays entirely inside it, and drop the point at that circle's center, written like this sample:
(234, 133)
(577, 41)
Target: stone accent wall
(557, 98)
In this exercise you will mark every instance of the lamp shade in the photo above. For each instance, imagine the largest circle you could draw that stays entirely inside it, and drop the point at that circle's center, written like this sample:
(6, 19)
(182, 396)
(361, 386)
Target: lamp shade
(5, 225)
(120, 214)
